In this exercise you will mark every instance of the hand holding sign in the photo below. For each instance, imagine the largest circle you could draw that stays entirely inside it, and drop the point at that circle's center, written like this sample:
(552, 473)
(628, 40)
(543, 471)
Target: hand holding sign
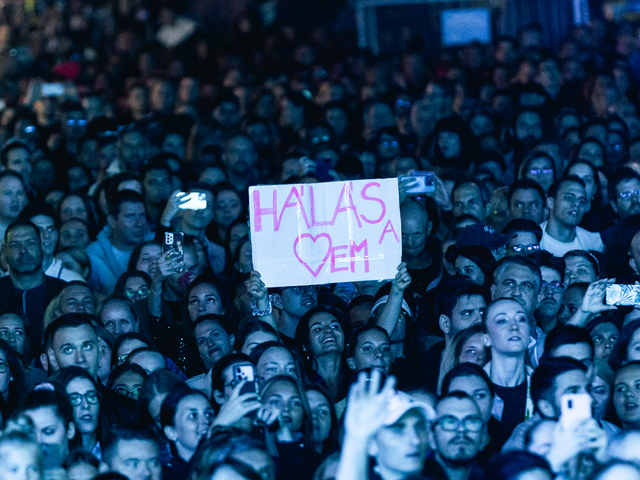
(309, 234)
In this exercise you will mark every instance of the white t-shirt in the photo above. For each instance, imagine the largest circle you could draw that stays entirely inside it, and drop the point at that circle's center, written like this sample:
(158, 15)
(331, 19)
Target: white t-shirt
(584, 240)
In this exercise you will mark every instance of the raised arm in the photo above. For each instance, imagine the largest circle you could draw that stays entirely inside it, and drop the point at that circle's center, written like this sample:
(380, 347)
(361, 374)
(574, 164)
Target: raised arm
(390, 313)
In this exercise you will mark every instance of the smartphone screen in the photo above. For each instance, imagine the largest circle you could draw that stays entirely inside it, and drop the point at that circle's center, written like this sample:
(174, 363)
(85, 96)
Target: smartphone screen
(174, 242)
(622, 295)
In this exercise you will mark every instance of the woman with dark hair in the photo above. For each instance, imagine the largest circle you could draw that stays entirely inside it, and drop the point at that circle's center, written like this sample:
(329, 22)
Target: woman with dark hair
(11, 379)
(83, 395)
(238, 229)
(591, 150)
(144, 258)
(154, 390)
(321, 336)
(124, 345)
(540, 167)
(252, 332)
(596, 217)
(127, 380)
(627, 348)
(185, 416)
(580, 266)
(604, 331)
(454, 143)
(228, 206)
(135, 284)
(74, 205)
(474, 262)
(276, 358)
(369, 347)
(324, 419)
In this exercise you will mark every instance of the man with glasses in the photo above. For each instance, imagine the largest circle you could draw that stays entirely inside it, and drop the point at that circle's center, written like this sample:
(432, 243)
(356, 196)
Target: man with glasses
(567, 204)
(457, 435)
(525, 237)
(293, 303)
(551, 290)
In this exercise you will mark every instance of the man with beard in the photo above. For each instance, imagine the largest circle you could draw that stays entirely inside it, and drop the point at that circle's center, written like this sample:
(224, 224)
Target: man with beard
(527, 130)
(110, 254)
(457, 435)
(567, 201)
(27, 290)
(239, 157)
(551, 289)
(292, 303)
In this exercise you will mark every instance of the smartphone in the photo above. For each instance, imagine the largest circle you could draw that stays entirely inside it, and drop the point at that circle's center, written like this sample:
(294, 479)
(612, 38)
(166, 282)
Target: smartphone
(174, 242)
(196, 201)
(323, 165)
(574, 408)
(245, 372)
(52, 89)
(622, 294)
(425, 180)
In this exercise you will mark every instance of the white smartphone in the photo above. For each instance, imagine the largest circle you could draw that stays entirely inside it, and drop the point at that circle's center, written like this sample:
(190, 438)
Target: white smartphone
(574, 408)
(196, 201)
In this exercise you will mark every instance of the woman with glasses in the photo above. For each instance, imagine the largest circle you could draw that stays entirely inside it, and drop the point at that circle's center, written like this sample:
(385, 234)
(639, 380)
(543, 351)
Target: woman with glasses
(321, 335)
(135, 285)
(126, 380)
(539, 167)
(580, 266)
(124, 345)
(186, 416)
(82, 392)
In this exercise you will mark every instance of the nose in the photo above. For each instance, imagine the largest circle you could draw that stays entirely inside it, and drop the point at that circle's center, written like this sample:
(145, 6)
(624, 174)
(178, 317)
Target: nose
(377, 354)
(80, 357)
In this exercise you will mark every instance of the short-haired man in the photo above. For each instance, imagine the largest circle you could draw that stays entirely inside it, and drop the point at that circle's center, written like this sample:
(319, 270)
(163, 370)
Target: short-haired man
(110, 254)
(71, 341)
(13, 198)
(133, 452)
(567, 202)
(27, 290)
(156, 182)
(132, 151)
(624, 192)
(525, 237)
(551, 289)
(472, 198)
(293, 303)
(76, 297)
(527, 201)
(239, 157)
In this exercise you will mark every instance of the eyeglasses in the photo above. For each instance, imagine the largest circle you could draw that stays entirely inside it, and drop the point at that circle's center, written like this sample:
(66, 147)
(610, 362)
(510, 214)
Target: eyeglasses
(142, 292)
(555, 287)
(528, 248)
(133, 393)
(3, 366)
(393, 143)
(450, 423)
(306, 289)
(91, 396)
(538, 171)
(627, 195)
(71, 122)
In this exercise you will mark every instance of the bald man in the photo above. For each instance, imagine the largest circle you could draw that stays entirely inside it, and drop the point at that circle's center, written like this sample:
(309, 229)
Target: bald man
(423, 263)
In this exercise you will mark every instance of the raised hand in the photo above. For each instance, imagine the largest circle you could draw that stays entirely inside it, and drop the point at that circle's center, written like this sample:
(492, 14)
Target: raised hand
(236, 407)
(402, 279)
(366, 406)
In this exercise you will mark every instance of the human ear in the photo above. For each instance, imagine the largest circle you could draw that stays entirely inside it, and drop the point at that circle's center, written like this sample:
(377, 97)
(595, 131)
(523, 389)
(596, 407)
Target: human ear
(71, 430)
(486, 340)
(170, 433)
(351, 363)
(545, 408)
(445, 324)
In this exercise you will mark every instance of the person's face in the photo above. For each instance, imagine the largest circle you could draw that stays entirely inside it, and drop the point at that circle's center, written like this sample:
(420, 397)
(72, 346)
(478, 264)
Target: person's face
(526, 203)
(523, 243)
(18, 161)
(414, 235)
(19, 461)
(148, 259)
(48, 233)
(541, 438)
(24, 250)
(256, 338)
(50, 429)
(118, 318)
(5, 377)
(104, 360)
(604, 335)
(74, 234)
(86, 412)
(569, 205)
(157, 186)
(630, 204)
(71, 263)
(571, 301)
(259, 460)
(320, 415)
(460, 445)
(297, 304)
(372, 351)
(179, 282)
(477, 389)
(77, 299)
(132, 151)
(240, 155)
(467, 312)
(633, 350)
(213, 342)
(237, 232)
(137, 460)
(626, 397)
(401, 447)
(449, 144)
(76, 346)
(586, 174)
(192, 421)
(469, 269)
(473, 351)
(136, 289)
(82, 471)
(286, 398)
(325, 334)
(130, 225)
(149, 361)
(600, 392)
(541, 171)
(73, 207)
(174, 143)
(276, 361)
(468, 200)
(228, 207)
(508, 328)
(517, 282)
(592, 152)
(199, 219)
(578, 269)
(128, 384)
(528, 124)
(550, 298)
(13, 332)
(13, 198)
(204, 299)
(571, 382)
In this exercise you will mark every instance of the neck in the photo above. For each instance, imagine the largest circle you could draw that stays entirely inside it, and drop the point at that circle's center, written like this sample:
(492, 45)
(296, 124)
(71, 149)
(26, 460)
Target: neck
(419, 261)
(387, 474)
(329, 368)
(547, 323)
(560, 232)
(397, 350)
(183, 452)
(119, 244)
(27, 281)
(507, 371)
(47, 260)
(454, 470)
(287, 324)
(89, 441)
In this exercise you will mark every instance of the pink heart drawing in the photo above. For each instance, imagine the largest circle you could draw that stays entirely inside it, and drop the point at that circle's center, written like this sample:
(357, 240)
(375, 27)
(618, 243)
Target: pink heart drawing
(314, 240)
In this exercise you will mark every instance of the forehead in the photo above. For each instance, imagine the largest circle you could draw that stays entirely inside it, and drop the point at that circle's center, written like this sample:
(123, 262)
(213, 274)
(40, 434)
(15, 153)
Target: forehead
(204, 289)
(206, 327)
(10, 182)
(628, 374)
(76, 291)
(373, 335)
(276, 353)
(322, 317)
(131, 207)
(11, 319)
(467, 383)
(116, 305)
(549, 273)
(524, 194)
(515, 271)
(22, 232)
(466, 190)
(79, 334)
(523, 238)
(42, 220)
(458, 407)
(629, 184)
(136, 449)
(469, 301)
(571, 187)
(579, 351)
(504, 305)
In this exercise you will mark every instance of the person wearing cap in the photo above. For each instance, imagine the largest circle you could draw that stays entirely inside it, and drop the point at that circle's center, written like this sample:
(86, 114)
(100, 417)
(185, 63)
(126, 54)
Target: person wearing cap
(292, 303)
(560, 234)
(484, 236)
(471, 197)
(457, 435)
(389, 427)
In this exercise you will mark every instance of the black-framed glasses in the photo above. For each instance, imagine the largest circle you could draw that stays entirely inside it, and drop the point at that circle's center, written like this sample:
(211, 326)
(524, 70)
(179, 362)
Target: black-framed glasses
(538, 171)
(627, 195)
(143, 291)
(450, 423)
(555, 287)
(306, 289)
(91, 396)
(131, 393)
(529, 248)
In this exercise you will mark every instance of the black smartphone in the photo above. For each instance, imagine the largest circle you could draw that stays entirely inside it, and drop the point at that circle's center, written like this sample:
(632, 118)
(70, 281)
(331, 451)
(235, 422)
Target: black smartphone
(174, 242)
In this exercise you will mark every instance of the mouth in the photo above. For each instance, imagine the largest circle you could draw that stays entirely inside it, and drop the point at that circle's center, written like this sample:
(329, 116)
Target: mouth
(213, 351)
(515, 338)
(86, 418)
(308, 303)
(329, 340)
(630, 406)
(287, 419)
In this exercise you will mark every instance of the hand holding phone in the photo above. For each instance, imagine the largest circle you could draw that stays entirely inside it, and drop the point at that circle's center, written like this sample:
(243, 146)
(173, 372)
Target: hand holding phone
(425, 182)
(194, 201)
(574, 408)
(174, 244)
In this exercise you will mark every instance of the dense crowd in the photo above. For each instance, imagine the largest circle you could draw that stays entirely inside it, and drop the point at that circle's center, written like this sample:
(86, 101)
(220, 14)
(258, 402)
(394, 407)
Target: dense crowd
(123, 358)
